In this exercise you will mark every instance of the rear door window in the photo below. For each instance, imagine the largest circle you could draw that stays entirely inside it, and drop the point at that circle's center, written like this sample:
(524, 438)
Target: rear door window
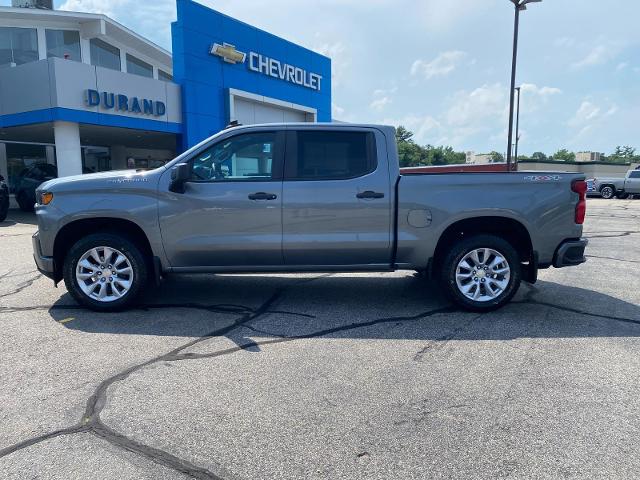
(330, 155)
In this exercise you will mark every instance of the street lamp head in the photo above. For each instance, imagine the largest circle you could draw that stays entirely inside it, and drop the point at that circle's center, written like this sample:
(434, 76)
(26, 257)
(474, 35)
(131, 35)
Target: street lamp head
(522, 4)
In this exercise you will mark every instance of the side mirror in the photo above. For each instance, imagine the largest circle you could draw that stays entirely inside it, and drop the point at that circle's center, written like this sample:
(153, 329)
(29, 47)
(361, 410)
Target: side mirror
(179, 175)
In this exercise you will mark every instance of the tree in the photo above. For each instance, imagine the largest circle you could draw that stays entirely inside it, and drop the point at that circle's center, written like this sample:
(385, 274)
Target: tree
(496, 157)
(539, 156)
(564, 155)
(403, 135)
(623, 154)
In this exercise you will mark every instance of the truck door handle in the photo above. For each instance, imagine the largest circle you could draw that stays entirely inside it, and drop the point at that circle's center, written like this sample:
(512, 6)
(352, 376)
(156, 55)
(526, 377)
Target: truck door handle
(262, 196)
(370, 194)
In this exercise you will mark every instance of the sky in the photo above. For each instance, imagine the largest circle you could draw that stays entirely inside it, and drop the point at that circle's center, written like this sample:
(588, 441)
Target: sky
(442, 68)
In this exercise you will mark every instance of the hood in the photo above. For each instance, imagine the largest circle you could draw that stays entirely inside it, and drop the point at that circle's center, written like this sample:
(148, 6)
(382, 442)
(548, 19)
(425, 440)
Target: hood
(102, 179)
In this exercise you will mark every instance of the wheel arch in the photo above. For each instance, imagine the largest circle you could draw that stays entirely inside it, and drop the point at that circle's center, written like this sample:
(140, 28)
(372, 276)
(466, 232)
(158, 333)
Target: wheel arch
(508, 228)
(73, 231)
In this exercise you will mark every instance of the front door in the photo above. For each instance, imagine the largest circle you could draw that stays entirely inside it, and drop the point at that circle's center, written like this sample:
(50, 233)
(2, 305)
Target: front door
(337, 205)
(632, 185)
(230, 212)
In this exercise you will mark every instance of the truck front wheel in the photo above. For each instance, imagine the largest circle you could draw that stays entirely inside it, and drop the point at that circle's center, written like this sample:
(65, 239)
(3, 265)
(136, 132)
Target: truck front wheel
(481, 273)
(105, 272)
(607, 192)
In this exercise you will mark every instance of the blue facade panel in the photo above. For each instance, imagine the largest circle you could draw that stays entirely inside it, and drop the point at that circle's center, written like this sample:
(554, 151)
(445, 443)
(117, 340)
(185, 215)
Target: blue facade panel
(206, 78)
(92, 118)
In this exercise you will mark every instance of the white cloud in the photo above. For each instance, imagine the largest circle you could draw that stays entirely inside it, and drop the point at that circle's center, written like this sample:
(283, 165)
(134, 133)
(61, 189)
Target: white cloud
(533, 97)
(471, 110)
(382, 98)
(598, 55)
(443, 64)
(621, 66)
(612, 111)
(379, 104)
(586, 113)
(426, 129)
(340, 60)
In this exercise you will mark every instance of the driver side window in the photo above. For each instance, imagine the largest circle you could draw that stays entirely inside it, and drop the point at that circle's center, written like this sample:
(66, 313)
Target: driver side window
(247, 157)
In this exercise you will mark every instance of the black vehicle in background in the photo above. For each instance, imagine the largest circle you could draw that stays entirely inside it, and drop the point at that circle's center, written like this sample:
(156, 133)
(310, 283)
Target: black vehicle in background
(4, 199)
(29, 179)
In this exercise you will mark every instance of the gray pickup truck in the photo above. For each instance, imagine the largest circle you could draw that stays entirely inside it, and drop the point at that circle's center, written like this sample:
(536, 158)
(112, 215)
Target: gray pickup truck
(619, 187)
(305, 198)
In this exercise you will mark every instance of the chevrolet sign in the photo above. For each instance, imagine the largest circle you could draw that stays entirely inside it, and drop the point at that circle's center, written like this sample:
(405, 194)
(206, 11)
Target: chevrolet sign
(268, 66)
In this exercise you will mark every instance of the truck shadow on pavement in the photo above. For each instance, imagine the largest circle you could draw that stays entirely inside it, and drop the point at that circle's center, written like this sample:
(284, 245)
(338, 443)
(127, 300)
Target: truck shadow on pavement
(250, 307)
(19, 217)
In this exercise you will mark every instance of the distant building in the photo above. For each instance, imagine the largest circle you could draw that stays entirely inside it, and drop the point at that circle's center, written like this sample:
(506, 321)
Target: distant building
(589, 156)
(478, 158)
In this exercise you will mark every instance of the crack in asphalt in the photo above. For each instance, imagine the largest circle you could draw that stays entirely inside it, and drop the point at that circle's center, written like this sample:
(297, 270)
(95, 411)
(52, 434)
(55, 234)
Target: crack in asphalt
(21, 286)
(320, 333)
(612, 258)
(532, 301)
(441, 342)
(625, 233)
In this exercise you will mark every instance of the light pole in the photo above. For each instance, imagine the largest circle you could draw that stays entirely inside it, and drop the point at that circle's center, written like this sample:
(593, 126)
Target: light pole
(517, 126)
(519, 5)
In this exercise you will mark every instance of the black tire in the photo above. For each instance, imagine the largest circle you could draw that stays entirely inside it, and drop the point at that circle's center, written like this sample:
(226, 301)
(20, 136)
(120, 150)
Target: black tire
(608, 192)
(622, 196)
(4, 211)
(112, 240)
(448, 269)
(23, 201)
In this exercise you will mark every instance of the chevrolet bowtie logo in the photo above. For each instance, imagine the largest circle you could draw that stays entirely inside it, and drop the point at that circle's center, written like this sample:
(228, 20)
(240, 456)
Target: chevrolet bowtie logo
(228, 53)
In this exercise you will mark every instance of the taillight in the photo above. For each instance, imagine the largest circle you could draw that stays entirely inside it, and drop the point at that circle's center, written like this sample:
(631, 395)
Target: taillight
(580, 187)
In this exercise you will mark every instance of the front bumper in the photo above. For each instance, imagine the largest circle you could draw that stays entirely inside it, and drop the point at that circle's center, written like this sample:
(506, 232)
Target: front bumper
(45, 265)
(570, 253)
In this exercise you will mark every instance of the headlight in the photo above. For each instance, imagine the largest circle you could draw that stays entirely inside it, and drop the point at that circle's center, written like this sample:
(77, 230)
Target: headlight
(45, 198)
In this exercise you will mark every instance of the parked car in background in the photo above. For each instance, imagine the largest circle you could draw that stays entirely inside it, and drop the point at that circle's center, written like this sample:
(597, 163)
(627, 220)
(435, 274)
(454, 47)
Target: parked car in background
(28, 180)
(619, 187)
(4, 199)
(591, 188)
(306, 198)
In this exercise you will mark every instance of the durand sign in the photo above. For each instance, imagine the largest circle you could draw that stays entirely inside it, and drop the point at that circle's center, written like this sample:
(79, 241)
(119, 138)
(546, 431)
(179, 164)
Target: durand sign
(124, 103)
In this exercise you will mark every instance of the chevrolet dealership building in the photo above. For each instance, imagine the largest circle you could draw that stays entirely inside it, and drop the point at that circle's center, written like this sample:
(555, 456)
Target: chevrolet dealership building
(84, 93)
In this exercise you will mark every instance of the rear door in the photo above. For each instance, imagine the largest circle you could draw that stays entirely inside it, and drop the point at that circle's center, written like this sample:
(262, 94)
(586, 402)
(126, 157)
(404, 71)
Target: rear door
(336, 198)
(230, 212)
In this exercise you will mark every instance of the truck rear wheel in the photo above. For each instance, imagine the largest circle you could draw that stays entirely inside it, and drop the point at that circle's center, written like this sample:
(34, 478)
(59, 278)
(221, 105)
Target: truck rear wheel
(481, 273)
(105, 272)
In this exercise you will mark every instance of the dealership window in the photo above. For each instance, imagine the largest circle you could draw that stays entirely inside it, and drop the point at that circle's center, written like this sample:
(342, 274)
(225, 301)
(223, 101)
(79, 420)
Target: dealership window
(96, 159)
(63, 44)
(18, 45)
(331, 155)
(164, 76)
(104, 55)
(138, 67)
(21, 156)
(246, 157)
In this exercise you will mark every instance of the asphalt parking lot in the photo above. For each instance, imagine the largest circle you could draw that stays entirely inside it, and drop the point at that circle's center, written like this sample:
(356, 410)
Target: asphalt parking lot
(326, 376)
